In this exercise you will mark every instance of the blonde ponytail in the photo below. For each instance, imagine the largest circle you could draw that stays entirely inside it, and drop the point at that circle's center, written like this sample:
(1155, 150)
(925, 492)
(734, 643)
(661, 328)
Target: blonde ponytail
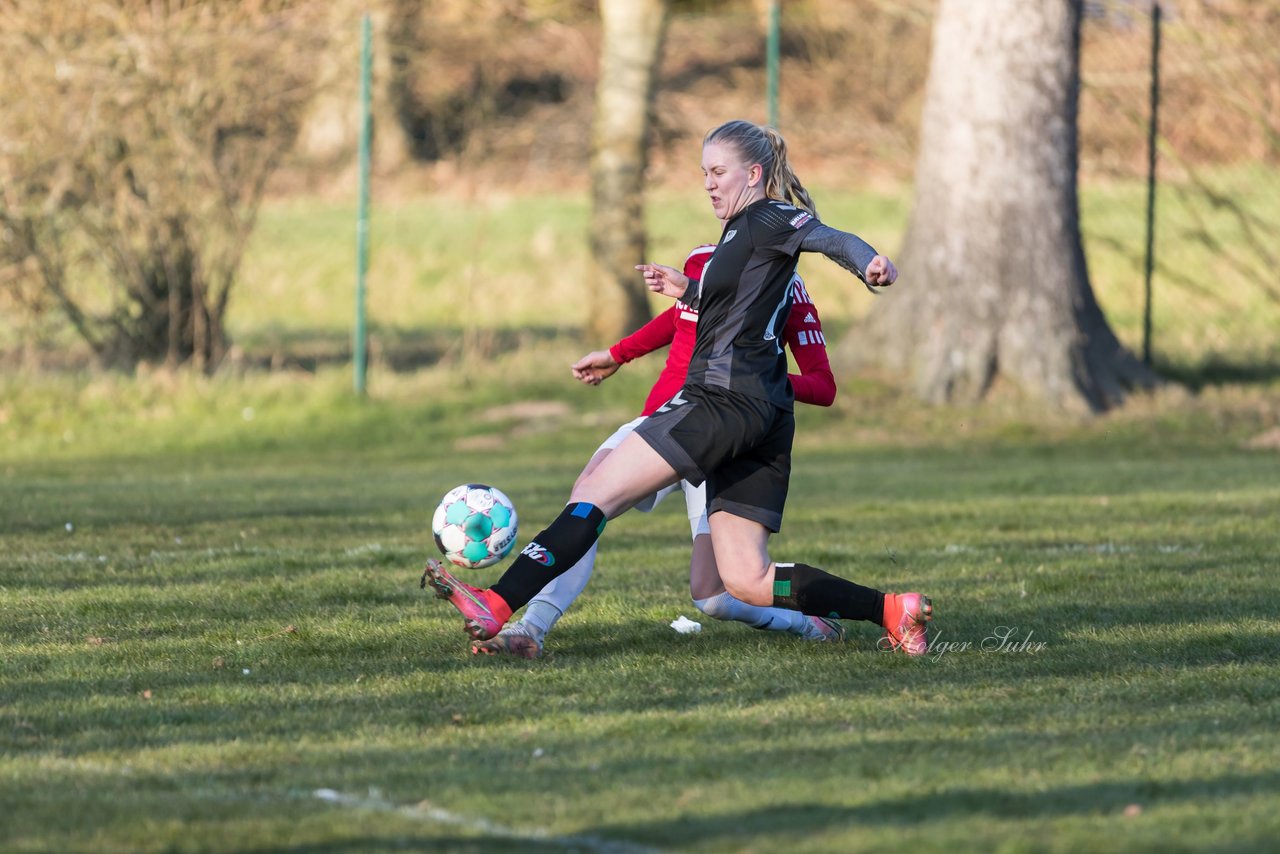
(783, 183)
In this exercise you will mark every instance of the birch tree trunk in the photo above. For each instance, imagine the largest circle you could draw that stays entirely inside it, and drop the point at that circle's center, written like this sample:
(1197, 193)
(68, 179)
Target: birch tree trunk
(631, 45)
(994, 287)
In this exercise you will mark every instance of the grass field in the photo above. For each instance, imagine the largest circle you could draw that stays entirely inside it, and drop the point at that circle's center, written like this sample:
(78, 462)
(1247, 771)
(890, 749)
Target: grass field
(213, 638)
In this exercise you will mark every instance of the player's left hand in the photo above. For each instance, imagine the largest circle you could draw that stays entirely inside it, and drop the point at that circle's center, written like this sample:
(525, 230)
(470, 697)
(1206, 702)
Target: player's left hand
(595, 367)
(881, 273)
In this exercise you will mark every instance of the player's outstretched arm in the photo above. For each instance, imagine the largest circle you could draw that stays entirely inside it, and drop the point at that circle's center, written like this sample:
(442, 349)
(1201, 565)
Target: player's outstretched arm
(853, 253)
(654, 335)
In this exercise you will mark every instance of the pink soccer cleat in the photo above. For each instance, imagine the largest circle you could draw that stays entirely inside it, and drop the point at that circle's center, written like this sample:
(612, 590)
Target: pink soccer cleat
(483, 611)
(824, 629)
(905, 616)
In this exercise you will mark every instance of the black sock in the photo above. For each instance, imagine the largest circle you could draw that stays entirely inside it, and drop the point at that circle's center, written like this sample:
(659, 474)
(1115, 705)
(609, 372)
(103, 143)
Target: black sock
(809, 590)
(551, 553)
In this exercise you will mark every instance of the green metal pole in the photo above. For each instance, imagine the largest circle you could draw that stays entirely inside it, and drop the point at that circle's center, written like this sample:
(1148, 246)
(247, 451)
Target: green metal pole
(771, 59)
(1153, 133)
(359, 346)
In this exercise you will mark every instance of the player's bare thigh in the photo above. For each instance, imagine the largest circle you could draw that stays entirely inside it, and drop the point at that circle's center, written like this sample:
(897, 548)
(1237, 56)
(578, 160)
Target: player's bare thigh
(630, 472)
(742, 556)
(592, 464)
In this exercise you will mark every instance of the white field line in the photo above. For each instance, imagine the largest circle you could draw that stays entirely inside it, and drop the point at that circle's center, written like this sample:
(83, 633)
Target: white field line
(434, 815)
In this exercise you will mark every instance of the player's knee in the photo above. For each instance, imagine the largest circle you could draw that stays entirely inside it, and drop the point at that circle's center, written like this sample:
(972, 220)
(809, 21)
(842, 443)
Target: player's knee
(717, 607)
(744, 591)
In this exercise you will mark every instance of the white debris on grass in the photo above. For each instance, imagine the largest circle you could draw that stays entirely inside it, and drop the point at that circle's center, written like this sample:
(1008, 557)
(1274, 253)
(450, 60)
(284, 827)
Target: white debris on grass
(685, 626)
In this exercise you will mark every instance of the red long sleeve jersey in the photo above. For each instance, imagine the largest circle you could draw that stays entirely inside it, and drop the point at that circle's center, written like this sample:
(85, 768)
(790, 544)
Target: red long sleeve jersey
(678, 326)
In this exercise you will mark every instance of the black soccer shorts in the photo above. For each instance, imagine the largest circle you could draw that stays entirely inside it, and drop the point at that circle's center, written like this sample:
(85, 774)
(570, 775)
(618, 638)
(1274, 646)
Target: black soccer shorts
(740, 445)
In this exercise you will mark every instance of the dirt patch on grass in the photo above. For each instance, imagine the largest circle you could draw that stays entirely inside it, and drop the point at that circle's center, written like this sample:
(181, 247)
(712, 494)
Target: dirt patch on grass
(525, 417)
(1268, 440)
(527, 410)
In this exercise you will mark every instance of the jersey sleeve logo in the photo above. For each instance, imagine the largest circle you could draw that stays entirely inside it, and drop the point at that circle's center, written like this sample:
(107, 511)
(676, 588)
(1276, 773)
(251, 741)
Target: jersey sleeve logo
(800, 219)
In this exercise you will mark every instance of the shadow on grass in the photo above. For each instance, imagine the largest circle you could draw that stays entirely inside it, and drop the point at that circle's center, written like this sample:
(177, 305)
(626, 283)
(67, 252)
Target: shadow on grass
(1217, 371)
(401, 842)
(395, 348)
(926, 808)
(1108, 798)
(427, 679)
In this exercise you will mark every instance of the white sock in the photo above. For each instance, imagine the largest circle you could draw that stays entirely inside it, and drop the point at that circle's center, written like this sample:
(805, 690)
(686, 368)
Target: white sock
(554, 599)
(539, 617)
(722, 606)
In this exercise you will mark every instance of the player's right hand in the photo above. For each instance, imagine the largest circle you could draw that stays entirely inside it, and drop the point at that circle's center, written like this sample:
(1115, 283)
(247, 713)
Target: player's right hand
(664, 280)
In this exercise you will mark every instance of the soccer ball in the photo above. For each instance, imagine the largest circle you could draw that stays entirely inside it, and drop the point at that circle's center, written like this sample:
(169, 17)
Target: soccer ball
(475, 525)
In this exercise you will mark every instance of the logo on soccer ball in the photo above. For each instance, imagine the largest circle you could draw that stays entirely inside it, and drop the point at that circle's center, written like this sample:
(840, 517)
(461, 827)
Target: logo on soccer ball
(474, 525)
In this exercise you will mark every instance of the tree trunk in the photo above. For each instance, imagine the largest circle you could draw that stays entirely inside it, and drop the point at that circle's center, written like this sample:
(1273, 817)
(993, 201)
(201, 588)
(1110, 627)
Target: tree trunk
(632, 41)
(994, 285)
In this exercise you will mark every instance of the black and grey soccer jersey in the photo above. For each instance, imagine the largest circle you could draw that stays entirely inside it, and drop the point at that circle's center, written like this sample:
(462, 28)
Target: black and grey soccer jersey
(743, 301)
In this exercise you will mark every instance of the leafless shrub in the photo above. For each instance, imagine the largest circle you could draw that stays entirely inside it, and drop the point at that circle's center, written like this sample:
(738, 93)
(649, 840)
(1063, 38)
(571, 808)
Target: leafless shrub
(136, 139)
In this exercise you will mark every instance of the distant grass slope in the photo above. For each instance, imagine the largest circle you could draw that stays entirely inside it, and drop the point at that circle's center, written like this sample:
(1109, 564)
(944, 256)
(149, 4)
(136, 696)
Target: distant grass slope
(452, 276)
(213, 638)
(510, 262)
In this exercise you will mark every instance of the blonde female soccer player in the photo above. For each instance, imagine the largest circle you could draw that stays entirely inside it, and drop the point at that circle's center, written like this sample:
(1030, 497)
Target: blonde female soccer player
(676, 328)
(731, 424)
